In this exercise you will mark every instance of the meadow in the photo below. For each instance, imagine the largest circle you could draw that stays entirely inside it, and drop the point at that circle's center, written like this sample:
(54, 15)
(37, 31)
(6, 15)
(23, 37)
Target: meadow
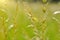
(29, 21)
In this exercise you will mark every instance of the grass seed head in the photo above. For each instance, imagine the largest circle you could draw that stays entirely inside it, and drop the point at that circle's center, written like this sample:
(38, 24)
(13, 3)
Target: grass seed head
(34, 19)
(44, 1)
(44, 9)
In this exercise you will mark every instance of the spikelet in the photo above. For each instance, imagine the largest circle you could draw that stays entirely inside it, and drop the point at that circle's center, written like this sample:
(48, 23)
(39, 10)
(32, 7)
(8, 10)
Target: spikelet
(33, 19)
(44, 9)
(28, 11)
(43, 23)
(44, 1)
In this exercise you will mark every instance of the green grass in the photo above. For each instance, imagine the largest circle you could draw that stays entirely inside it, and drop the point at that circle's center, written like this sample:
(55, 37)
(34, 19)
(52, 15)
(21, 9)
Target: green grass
(26, 27)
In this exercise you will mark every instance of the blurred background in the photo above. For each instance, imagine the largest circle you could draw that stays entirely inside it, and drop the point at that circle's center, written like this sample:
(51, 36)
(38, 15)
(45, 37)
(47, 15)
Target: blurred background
(17, 11)
(50, 1)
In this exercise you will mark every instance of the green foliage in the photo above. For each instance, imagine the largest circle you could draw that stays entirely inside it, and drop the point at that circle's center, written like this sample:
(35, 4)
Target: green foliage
(24, 21)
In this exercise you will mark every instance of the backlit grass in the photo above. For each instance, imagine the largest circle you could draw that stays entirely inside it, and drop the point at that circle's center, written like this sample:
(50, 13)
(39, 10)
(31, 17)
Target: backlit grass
(29, 21)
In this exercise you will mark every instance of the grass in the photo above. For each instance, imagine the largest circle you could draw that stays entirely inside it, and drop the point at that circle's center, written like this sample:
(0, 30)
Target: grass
(27, 21)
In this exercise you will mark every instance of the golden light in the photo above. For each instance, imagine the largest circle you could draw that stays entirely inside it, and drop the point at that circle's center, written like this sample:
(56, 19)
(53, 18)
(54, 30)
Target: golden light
(3, 2)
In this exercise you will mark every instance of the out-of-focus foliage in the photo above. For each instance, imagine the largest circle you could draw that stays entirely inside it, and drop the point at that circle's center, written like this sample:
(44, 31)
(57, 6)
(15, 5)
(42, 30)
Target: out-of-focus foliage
(21, 20)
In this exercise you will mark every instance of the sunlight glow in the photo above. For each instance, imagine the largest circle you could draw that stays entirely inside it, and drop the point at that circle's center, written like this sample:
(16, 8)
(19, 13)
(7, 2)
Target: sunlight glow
(3, 2)
(56, 12)
(11, 26)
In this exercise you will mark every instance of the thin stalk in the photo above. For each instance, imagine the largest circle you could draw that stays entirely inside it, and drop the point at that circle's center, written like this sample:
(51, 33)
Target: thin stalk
(4, 28)
(24, 31)
(33, 19)
(43, 27)
(15, 24)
